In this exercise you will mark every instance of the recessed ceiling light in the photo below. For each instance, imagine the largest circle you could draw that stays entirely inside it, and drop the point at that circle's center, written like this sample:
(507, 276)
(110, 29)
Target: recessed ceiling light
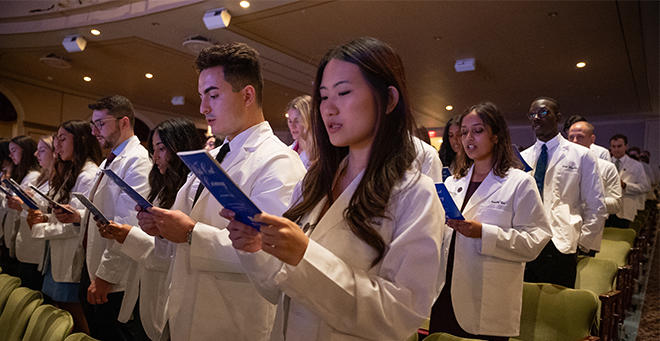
(286, 115)
(148, 75)
(245, 4)
(581, 64)
(95, 32)
(87, 79)
(449, 107)
(438, 38)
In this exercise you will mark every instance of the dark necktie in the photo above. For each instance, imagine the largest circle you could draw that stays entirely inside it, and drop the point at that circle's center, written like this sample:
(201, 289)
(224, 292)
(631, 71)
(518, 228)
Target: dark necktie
(111, 157)
(541, 165)
(617, 163)
(221, 155)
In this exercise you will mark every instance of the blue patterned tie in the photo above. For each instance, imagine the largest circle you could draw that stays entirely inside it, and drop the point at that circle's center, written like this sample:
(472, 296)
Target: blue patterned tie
(539, 172)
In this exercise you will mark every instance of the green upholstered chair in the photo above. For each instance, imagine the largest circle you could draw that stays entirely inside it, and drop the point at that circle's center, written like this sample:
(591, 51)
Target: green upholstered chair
(598, 276)
(626, 235)
(80, 337)
(7, 285)
(422, 332)
(48, 323)
(555, 313)
(618, 252)
(446, 337)
(14, 319)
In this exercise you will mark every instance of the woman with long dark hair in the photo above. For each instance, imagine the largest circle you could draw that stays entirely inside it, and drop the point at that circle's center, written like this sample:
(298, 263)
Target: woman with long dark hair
(504, 227)
(78, 156)
(358, 254)
(451, 143)
(148, 280)
(25, 172)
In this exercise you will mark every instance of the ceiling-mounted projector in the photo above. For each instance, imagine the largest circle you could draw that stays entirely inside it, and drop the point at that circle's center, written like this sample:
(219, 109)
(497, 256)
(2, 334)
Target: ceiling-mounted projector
(216, 18)
(463, 65)
(74, 43)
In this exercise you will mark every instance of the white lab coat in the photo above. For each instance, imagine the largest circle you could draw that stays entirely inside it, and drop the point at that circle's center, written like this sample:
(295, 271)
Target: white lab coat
(303, 156)
(653, 182)
(611, 186)
(132, 165)
(210, 295)
(573, 195)
(28, 249)
(487, 280)
(428, 160)
(601, 152)
(66, 252)
(335, 293)
(149, 283)
(637, 184)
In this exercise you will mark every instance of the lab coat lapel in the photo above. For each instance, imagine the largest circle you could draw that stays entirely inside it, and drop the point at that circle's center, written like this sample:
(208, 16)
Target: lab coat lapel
(557, 156)
(490, 184)
(335, 213)
(460, 188)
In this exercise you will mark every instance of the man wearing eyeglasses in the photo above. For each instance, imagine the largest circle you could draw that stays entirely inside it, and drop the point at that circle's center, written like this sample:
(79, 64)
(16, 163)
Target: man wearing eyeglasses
(104, 276)
(569, 183)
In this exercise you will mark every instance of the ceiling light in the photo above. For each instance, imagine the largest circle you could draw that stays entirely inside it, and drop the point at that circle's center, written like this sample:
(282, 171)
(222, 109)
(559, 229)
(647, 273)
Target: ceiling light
(74, 43)
(148, 75)
(216, 18)
(286, 115)
(449, 107)
(87, 79)
(55, 61)
(196, 44)
(581, 64)
(178, 100)
(95, 32)
(245, 4)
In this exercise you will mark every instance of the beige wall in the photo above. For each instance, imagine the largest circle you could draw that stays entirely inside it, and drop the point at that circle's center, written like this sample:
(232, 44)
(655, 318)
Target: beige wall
(41, 109)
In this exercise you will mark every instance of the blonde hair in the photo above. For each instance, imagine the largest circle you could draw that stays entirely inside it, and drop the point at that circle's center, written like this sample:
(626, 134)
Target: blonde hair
(304, 106)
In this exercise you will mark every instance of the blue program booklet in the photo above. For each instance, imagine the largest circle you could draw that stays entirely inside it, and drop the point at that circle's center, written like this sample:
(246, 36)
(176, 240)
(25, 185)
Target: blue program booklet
(517, 153)
(92, 208)
(209, 172)
(451, 210)
(140, 200)
(445, 173)
(27, 200)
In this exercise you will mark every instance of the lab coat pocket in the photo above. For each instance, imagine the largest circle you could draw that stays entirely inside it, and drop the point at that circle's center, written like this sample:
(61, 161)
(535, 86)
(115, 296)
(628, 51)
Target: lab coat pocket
(499, 216)
(502, 291)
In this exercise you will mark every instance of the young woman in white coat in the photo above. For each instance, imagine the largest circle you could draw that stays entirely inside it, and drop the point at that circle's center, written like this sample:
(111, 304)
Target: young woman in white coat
(504, 227)
(357, 256)
(298, 113)
(28, 251)
(148, 280)
(78, 156)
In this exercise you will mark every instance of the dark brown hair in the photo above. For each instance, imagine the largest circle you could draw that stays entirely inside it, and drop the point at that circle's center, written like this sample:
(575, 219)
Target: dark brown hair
(240, 66)
(65, 173)
(28, 161)
(118, 107)
(503, 156)
(177, 135)
(392, 152)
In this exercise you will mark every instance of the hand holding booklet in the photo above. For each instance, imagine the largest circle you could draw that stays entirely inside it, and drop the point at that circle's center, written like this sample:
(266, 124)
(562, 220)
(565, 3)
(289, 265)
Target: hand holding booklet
(451, 210)
(27, 200)
(92, 208)
(209, 172)
(139, 199)
(52, 202)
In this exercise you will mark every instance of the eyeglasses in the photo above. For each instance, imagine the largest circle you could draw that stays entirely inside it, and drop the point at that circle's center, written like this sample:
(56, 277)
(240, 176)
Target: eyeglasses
(98, 124)
(540, 113)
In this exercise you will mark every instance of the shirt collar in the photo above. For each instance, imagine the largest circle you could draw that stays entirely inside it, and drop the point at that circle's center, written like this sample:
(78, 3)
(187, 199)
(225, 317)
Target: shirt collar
(551, 144)
(120, 148)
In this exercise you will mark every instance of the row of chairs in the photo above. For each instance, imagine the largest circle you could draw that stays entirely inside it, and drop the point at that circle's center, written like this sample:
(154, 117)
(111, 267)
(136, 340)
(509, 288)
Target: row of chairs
(24, 318)
(603, 291)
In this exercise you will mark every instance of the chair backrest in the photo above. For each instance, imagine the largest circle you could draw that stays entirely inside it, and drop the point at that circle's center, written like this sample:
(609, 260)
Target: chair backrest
(447, 337)
(615, 233)
(595, 274)
(21, 304)
(7, 285)
(636, 225)
(80, 337)
(48, 323)
(614, 250)
(552, 312)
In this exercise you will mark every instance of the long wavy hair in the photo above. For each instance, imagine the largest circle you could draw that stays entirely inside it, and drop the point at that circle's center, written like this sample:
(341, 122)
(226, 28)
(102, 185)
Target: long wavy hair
(177, 135)
(392, 153)
(45, 172)
(304, 106)
(446, 153)
(503, 156)
(65, 173)
(28, 161)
